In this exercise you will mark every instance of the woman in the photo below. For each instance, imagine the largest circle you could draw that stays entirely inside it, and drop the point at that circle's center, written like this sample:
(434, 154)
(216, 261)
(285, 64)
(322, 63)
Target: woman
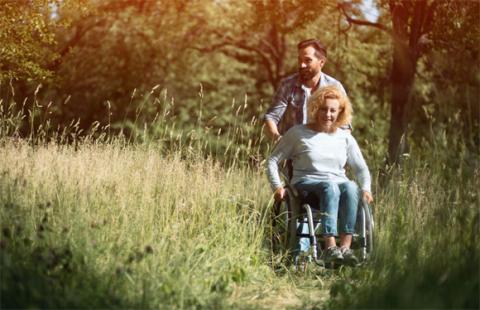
(319, 151)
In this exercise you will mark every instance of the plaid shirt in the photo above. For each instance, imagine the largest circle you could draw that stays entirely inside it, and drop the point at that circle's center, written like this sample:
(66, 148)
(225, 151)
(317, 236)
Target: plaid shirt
(289, 105)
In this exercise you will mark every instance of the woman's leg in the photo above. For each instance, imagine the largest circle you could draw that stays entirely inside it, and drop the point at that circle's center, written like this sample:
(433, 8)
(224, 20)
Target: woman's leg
(349, 196)
(329, 241)
(328, 194)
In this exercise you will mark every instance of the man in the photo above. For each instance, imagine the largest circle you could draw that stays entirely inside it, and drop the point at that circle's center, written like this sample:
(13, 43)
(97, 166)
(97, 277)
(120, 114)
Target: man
(289, 106)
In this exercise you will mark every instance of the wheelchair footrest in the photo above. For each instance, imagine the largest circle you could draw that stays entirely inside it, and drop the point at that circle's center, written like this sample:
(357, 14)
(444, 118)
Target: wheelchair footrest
(303, 235)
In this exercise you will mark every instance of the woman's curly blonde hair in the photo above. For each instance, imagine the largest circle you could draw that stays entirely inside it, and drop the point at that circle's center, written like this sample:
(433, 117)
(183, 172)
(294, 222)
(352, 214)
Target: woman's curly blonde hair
(318, 100)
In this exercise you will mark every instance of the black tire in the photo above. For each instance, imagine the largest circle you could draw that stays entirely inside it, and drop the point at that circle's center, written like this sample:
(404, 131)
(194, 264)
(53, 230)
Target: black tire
(369, 228)
(365, 240)
(281, 216)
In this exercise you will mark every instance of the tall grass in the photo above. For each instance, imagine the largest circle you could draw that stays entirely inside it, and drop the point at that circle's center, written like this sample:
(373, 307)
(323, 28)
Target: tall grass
(428, 222)
(154, 217)
(172, 232)
(168, 217)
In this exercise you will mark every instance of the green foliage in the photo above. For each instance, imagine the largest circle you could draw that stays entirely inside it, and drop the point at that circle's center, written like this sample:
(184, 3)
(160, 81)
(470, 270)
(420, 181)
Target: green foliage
(107, 223)
(26, 40)
(104, 58)
(448, 89)
(62, 230)
(140, 183)
(119, 47)
(427, 220)
(110, 225)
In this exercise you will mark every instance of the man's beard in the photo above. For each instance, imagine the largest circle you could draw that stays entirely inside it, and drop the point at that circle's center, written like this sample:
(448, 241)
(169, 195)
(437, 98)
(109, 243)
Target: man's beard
(306, 74)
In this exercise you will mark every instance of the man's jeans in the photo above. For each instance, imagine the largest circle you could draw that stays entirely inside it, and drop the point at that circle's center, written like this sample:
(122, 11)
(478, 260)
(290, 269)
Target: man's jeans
(336, 200)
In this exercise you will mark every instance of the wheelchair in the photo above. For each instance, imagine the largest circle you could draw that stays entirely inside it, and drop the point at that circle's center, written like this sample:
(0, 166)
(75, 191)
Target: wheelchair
(296, 210)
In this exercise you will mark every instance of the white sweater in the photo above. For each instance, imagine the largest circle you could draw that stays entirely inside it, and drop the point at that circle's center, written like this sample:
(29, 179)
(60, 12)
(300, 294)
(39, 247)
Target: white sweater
(319, 156)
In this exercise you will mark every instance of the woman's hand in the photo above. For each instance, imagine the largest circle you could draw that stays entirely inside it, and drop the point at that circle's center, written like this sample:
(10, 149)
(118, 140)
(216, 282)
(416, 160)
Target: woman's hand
(367, 196)
(279, 194)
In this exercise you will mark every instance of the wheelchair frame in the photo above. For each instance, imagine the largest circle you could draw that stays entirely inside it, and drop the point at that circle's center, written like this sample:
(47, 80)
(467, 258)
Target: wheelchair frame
(291, 211)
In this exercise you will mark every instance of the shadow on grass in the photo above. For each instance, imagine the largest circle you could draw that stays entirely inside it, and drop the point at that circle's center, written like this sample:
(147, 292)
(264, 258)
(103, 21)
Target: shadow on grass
(445, 276)
(39, 269)
(54, 277)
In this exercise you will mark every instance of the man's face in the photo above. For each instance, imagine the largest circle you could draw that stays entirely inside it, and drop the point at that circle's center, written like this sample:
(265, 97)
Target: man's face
(309, 65)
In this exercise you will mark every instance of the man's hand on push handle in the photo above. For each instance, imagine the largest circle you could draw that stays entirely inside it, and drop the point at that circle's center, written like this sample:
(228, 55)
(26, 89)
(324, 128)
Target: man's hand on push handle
(272, 130)
(279, 194)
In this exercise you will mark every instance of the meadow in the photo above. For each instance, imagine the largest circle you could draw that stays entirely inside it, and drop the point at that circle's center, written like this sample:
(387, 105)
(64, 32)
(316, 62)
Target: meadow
(101, 221)
(132, 152)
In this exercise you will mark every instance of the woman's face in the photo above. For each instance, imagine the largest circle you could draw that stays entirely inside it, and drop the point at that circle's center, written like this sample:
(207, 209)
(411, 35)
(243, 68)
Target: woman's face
(328, 113)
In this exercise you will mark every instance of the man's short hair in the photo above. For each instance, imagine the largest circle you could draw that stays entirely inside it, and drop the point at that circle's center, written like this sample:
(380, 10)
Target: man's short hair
(320, 49)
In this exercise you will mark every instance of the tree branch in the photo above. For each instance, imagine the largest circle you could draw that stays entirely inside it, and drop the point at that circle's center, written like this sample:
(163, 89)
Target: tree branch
(227, 41)
(359, 22)
(419, 8)
(80, 32)
(428, 20)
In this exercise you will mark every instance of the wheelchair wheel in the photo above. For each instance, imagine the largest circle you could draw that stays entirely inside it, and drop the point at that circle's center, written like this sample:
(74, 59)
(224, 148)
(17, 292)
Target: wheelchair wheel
(369, 227)
(280, 225)
(365, 230)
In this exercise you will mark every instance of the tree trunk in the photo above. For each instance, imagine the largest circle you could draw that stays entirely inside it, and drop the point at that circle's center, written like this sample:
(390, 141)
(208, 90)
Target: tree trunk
(402, 78)
(405, 56)
(410, 21)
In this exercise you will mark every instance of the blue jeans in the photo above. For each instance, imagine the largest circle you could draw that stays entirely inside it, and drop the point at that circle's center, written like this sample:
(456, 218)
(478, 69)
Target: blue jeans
(335, 201)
